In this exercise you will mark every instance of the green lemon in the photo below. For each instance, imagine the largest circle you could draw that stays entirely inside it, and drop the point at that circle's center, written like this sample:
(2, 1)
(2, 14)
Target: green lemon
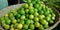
(31, 16)
(25, 26)
(36, 19)
(19, 26)
(8, 21)
(22, 17)
(37, 24)
(31, 11)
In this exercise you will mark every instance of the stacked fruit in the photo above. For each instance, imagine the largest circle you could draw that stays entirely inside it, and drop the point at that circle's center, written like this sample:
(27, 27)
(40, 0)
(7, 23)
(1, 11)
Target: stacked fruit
(31, 16)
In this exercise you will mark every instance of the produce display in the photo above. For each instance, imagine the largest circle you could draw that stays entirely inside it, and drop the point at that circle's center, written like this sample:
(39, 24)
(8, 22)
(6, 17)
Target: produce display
(31, 16)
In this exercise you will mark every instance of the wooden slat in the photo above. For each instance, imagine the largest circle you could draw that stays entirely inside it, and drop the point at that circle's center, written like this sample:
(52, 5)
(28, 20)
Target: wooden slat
(18, 1)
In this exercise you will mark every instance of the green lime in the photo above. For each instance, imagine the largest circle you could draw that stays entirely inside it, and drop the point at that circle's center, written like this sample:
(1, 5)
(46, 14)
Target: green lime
(34, 2)
(38, 1)
(22, 11)
(27, 15)
(31, 16)
(26, 5)
(15, 13)
(48, 18)
(52, 17)
(18, 16)
(26, 10)
(32, 21)
(41, 12)
(31, 11)
(27, 21)
(28, 1)
(41, 16)
(15, 25)
(14, 21)
(16, 29)
(22, 21)
(51, 21)
(36, 5)
(30, 4)
(37, 24)
(6, 15)
(11, 28)
(46, 26)
(2, 18)
(3, 21)
(3, 24)
(22, 17)
(36, 19)
(8, 21)
(18, 20)
(49, 15)
(31, 26)
(36, 14)
(44, 22)
(6, 27)
(35, 10)
(31, 7)
(25, 26)
(41, 27)
(19, 26)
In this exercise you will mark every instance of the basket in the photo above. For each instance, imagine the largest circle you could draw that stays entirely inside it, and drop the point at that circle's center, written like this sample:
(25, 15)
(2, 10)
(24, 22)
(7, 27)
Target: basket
(7, 9)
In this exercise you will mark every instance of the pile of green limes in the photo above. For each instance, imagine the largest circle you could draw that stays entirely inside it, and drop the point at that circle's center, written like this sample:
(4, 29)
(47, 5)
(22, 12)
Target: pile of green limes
(32, 15)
